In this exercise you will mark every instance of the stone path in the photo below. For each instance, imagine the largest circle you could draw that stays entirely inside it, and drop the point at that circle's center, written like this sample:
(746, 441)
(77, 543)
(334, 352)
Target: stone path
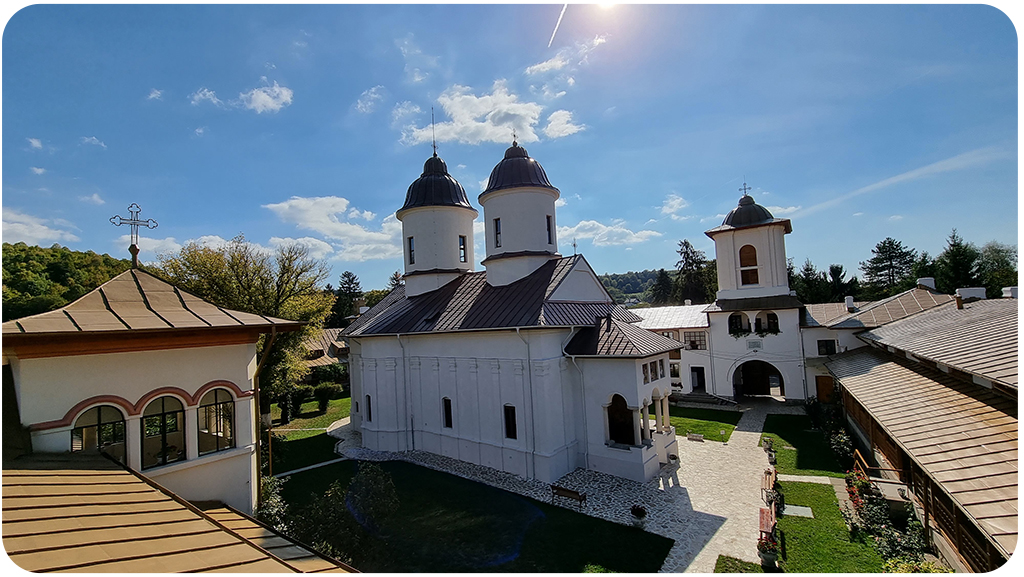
(708, 503)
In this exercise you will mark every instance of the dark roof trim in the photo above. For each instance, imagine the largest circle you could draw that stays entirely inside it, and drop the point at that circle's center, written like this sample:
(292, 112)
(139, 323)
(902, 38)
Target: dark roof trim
(434, 271)
(727, 227)
(754, 303)
(521, 253)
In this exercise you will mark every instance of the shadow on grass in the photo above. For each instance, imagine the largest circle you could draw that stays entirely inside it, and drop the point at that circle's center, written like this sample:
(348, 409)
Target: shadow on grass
(302, 450)
(811, 453)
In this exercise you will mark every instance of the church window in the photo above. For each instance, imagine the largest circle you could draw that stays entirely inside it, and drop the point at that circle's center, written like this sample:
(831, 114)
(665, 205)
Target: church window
(510, 422)
(698, 340)
(737, 324)
(773, 323)
(462, 248)
(621, 430)
(100, 429)
(163, 432)
(654, 370)
(216, 422)
(647, 376)
(446, 406)
(673, 369)
(551, 237)
(748, 265)
(826, 347)
(661, 368)
(412, 251)
(497, 232)
(369, 410)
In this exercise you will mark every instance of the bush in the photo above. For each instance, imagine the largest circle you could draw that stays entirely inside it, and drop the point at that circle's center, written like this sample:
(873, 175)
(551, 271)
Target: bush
(301, 394)
(900, 565)
(842, 445)
(284, 402)
(332, 373)
(324, 393)
(272, 509)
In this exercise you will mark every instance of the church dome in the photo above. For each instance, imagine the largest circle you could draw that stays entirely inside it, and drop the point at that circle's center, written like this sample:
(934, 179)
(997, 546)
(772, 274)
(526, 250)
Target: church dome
(435, 187)
(748, 213)
(517, 169)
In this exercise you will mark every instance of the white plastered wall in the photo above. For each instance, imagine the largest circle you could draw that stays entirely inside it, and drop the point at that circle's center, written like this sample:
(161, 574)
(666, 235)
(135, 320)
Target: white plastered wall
(783, 351)
(580, 285)
(815, 364)
(770, 243)
(436, 231)
(523, 213)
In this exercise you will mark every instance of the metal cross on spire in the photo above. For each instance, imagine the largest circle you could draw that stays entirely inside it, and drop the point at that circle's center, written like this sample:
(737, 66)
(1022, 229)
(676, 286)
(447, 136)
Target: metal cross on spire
(433, 137)
(514, 143)
(745, 188)
(134, 223)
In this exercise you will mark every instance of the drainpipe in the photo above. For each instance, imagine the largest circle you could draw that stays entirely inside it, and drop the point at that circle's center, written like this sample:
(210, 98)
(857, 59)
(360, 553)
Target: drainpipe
(533, 438)
(259, 415)
(408, 393)
(803, 360)
(583, 396)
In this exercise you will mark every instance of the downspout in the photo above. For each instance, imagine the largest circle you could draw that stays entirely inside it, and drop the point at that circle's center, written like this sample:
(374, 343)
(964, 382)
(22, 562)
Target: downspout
(259, 415)
(533, 436)
(583, 395)
(408, 401)
(803, 358)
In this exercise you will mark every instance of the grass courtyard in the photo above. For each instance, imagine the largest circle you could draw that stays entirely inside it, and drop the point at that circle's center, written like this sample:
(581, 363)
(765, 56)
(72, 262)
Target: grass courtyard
(449, 524)
(810, 453)
(707, 422)
(306, 440)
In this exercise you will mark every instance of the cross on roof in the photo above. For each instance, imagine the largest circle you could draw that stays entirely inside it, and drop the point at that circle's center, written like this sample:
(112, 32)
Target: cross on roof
(745, 188)
(514, 143)
(134, 223)
(433, 137)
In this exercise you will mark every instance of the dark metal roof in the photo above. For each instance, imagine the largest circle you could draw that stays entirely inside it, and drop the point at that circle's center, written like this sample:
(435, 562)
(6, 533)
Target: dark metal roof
(748, 214)
(963, 436)
(980, 339)
(517, 169)
(435, 187)
(614, 338)
(468, 302)
(754, 304)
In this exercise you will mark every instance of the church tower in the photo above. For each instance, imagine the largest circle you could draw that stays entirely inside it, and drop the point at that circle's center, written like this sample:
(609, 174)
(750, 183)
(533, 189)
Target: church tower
(437, 229)
(750, 248)
(519, 218)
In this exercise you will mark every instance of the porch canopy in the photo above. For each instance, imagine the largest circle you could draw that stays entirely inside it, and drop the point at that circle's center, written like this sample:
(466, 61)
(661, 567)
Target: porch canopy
(962, 435)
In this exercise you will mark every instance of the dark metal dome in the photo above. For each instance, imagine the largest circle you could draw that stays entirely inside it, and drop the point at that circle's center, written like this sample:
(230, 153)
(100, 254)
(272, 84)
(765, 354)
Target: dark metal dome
(748, 213)
(517, 169)
(435, 187)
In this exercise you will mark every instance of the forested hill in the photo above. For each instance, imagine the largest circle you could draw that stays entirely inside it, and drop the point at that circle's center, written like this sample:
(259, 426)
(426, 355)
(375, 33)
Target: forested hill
(40, 279)
(630, 282)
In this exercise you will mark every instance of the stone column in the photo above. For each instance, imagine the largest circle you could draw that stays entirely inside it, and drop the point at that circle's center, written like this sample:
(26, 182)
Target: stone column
(665, 412)
(645, 423)
(659, 423)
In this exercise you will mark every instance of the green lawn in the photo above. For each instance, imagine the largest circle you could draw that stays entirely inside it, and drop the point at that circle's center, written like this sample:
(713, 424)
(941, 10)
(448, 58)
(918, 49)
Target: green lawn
(309, 417)
(726, 564)
(312, 445)
(811, 453)
(821, 544)
(707, 422)
(449, 524)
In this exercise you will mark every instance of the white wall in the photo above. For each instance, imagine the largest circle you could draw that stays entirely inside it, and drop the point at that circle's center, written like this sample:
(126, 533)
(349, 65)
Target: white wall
(580, 285)
(783, 351)
(436, 231)
(523, 213)
(815, 364)
(770, 243)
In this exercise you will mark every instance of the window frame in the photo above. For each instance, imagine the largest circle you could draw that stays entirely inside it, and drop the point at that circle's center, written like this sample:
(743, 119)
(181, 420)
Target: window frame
(748, 266)
(179, 417)
(447, 417)
(369, 410)
(411, 244)
(826, 342)
(497, 233)
(698, 338)
(551, 236)
(218, 407)
(117, 427)
(511, 427)
(462, 248)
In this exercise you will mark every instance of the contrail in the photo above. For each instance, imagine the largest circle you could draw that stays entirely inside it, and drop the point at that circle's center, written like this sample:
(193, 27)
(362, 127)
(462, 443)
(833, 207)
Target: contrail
(557, 24)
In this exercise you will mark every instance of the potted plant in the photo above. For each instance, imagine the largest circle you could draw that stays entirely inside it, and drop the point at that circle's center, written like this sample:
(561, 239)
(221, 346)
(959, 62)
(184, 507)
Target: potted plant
(768, 551)
(639, 515)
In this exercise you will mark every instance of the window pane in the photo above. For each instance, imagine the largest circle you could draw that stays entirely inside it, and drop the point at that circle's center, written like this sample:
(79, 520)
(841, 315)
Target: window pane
(447, 406)
(748, 256)
(510, 422)
(748, 276)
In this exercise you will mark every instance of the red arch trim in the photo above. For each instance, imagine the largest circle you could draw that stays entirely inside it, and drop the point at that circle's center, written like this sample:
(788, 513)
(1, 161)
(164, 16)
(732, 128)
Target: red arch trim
(69, 417)
(222, 384)
(175, 391)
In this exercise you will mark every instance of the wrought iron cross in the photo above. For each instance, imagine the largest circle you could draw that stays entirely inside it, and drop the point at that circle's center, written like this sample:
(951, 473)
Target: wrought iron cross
(134, 223)
(514, 141)
(745, 188)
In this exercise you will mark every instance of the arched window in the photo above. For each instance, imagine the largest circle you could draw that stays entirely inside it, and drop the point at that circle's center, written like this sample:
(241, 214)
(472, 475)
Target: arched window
(163, 432)
(748, 265)
(738, 323)
(100, 429)
(620, 422)
(216, 422)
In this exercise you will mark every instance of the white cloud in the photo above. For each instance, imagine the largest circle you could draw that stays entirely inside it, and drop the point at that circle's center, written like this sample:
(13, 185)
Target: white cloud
(475, 119)
(93, 199)
(415, 60)
(327, 215)
(558, 62)
(35, 143)
(205, 94)
(604, 235)
(896, 217)
(782, 210)
(560, 124)
(560, 202)
(568, 57)
(150, 245)
(483, 184)
(369, 99)
(21, 227)
(363, 214)
(93, 140)
(403, 109)
(716, 217)
(316, 247)
(201, 131)
(37, 170)
(270, 65)
(155, 94)
(267, 98)
(672, 205)
(858, 214)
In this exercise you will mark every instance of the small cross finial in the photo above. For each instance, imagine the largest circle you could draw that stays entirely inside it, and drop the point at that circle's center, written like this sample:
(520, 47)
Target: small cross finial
(134, 222)
(433, 137)
(514, 143)
(745, 188)
(574, 246)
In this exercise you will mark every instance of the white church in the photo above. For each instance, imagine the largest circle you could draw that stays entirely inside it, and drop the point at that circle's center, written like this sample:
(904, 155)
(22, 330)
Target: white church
(531, 368)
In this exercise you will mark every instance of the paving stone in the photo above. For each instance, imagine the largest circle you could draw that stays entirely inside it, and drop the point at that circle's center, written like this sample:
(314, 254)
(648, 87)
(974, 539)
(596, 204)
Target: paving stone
(798, 511)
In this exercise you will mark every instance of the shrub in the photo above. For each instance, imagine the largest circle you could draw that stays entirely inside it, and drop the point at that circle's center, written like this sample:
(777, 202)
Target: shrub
(901, 565)
(324, 393)
(842, 445)
(272, 509)
(301, 394)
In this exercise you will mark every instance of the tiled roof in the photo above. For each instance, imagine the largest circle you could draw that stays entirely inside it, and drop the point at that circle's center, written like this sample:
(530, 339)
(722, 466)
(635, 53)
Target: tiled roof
(75, 512)
(887, 310)
(821, 314)
(138, 301)
(615, 338)
(468, 302)
(981, 339)
(678, 317)
(327, 345)
(963, 435)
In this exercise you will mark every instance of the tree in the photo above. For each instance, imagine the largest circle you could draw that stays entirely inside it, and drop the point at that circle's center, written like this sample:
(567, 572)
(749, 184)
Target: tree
(284, 283)
(375, 296)
(345, 298)
(691, 275)
(997, 268)
(394, 281)
(957, 266)
(811, 285)
(661, 291)
(891, 264)
(839, 287)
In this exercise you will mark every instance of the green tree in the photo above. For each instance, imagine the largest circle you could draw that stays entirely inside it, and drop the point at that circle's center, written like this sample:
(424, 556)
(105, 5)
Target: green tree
(889, 267)
(394, 281)
(691, 275)
(375, 296)
(661, 291)
(997, 268)
(346, 295)
(839, 287)
(957, 266)
(811, 285)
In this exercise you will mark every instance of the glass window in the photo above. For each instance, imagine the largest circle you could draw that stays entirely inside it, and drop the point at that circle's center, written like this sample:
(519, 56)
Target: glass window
(647, 376)
(497, 232)
(661, 368)
(412, 251)
(673, 369)
(446, 406)
(698, 340)
(369, 410)
(826, 347)
(163, 432)
(773, 322)
(100, 429)
(462, 248)
(736, 323)
(551, 235)
(748, 256)
(654, 370)
(748, 276)
(216, 422)
(510, 422)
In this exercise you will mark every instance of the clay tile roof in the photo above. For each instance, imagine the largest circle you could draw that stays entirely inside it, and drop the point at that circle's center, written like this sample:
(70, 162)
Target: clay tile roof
(138, 301)
(677, 317)
(962, 435)
(468, 302)
(84, 513)
(619, 339)
(887, 310)
(980, 339)
(325, 348)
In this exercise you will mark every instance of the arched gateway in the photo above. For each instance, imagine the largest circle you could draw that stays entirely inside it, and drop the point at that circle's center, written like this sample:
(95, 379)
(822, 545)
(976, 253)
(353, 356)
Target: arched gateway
(758, 378)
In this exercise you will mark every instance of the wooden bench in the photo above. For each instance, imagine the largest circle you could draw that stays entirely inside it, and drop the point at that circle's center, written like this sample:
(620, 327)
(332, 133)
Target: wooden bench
(556, 491)
(768, 483)
(766, 523)
(695, 437)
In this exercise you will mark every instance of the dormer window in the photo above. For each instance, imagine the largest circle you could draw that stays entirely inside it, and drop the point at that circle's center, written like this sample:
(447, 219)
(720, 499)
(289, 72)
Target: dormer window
(497, 232)
(748, 265)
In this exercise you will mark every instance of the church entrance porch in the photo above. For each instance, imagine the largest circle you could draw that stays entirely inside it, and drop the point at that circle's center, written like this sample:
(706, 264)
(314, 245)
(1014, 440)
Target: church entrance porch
(758, 378)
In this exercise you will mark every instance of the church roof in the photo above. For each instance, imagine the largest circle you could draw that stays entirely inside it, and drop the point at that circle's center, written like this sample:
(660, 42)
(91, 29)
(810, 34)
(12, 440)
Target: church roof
(890, 309)
(676, 317)
(435, 187)
(610, 337)
(821, 314)
(469, 303)
(980, 339)
(517, 169)
(748, 214)
(325, 349)
(135, 300)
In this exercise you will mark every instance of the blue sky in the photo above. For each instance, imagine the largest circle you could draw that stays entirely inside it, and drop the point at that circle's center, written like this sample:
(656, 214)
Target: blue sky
(308, 123)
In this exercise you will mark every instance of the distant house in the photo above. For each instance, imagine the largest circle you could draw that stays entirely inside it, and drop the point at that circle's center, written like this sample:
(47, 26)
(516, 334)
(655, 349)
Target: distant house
(327, 348)
(688, 324)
